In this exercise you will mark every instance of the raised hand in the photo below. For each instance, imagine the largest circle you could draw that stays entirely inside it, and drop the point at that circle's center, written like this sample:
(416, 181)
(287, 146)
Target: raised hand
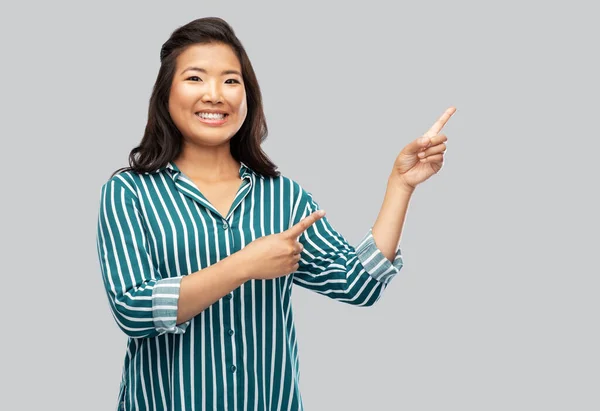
(278, 254)
(423, 157)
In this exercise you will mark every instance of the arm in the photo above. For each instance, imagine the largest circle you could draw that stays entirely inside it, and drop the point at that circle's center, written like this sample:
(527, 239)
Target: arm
(143, 303)
(332, 267)
(387, 229)
(203, 288)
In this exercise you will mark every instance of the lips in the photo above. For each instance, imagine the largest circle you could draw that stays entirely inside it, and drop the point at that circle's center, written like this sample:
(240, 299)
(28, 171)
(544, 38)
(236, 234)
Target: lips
(214, 118)
(208, 112)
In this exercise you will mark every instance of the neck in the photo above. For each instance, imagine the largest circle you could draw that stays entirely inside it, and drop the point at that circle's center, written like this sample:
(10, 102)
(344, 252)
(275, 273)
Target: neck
(211, 164)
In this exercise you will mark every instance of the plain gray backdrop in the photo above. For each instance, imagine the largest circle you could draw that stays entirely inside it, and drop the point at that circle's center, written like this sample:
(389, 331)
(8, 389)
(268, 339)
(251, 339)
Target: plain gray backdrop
(496, 307)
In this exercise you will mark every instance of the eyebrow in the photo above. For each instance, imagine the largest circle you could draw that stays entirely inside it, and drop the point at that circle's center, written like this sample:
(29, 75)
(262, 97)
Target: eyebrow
(224, 72)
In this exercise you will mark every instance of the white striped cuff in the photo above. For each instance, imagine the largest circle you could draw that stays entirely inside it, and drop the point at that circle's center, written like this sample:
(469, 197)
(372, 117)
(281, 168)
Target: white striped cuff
(165, 297)
(375, 263)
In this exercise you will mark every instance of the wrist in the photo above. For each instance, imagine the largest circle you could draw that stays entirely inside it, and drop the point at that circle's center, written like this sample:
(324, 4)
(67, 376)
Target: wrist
(398, 183)
(239, 267)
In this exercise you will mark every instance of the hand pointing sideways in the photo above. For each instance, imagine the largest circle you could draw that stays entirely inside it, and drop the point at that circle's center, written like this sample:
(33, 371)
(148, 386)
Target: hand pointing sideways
(278, 254)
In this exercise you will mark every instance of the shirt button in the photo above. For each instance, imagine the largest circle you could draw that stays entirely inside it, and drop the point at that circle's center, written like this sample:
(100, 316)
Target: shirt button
(233, 368)
(228, 296)
(225, 226)
(230, 332)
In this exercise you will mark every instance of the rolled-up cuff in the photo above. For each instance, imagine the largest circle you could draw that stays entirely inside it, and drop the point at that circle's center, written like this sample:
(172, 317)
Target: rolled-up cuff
(165, 297)
(375, 262)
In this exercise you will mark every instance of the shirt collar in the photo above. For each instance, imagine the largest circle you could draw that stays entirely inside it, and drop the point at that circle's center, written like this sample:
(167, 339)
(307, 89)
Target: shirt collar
(175, 171)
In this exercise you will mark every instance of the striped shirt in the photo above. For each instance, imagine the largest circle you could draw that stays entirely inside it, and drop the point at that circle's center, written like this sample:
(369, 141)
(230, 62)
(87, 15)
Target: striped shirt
(241, 352)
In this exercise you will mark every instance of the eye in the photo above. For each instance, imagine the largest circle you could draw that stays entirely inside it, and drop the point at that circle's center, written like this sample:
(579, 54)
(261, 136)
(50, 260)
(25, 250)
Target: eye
(232, 79)
(189, 78)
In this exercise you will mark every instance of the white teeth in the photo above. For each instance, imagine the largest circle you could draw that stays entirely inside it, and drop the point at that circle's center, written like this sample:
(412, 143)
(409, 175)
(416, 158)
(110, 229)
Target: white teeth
(211, 116)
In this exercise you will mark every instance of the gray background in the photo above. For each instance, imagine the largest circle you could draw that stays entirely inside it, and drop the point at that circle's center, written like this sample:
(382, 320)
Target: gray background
(497, 305)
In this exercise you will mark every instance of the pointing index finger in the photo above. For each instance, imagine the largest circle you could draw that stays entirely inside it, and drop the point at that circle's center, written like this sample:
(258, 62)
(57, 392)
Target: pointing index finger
(297, 230)
(440, 123)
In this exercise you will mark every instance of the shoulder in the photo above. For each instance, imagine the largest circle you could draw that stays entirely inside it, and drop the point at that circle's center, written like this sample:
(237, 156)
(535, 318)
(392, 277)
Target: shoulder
(291, 187)
(125, 180)
(285, 181)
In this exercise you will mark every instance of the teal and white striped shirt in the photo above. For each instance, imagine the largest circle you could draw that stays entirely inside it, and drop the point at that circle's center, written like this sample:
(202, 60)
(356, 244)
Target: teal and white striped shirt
(241, 352)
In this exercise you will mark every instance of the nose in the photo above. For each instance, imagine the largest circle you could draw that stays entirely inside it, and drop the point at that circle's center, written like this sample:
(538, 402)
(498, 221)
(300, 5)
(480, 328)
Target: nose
(212, 93)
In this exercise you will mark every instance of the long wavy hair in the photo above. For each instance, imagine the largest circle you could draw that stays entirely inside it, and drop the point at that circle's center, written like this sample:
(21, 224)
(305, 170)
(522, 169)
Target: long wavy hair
(162, 141)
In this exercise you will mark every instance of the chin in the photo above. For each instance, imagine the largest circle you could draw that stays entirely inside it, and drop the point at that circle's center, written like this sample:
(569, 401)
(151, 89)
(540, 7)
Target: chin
(210, 139)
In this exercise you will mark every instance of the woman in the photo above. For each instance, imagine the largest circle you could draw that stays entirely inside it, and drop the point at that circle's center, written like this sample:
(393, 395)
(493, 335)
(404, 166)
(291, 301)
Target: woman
(200, 240)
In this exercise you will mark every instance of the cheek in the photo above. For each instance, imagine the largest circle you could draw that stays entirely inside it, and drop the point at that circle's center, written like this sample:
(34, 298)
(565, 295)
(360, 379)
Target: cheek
(178, 104)
(242, 105)
(244, 109)
(180, 98)
(237, 100)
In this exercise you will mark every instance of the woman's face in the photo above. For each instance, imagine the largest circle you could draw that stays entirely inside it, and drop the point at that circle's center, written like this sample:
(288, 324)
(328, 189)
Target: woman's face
(208, 99)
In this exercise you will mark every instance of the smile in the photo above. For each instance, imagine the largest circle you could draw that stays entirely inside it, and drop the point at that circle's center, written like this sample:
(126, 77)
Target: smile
(212, 118)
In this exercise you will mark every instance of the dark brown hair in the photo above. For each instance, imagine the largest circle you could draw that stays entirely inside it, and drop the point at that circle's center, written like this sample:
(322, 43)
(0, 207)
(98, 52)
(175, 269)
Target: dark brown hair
(162, 140)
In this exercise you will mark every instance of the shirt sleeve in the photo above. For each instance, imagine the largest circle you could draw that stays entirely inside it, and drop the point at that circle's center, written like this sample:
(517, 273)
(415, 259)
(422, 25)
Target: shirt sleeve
(329, 265)
(142, 302)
